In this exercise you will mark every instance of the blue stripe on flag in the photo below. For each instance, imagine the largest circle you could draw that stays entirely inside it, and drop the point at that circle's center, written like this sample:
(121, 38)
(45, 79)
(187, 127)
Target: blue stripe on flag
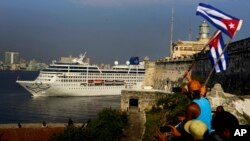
(216, 48)
(219, 19)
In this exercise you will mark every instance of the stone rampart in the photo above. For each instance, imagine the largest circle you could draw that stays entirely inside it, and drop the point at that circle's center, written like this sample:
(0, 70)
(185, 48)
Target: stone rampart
(236, 78)
(237, 105)
(166, 73)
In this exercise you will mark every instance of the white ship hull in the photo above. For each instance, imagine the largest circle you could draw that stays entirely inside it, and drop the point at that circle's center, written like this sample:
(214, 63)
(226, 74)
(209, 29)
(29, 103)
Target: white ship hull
(50, 89)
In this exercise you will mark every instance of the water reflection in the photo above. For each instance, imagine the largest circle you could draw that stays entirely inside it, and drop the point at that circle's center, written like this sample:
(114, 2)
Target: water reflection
(58, 109)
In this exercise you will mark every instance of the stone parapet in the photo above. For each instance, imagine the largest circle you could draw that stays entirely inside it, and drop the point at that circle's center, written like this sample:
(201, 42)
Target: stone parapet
(145, 99)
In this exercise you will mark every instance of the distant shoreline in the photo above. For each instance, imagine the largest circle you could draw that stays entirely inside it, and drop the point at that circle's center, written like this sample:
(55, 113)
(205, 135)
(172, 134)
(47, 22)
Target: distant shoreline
(36, 125)
(17, 71)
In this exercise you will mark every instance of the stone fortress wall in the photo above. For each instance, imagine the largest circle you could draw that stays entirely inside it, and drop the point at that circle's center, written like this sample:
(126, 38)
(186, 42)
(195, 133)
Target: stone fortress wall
(236, 79)
(166, 73)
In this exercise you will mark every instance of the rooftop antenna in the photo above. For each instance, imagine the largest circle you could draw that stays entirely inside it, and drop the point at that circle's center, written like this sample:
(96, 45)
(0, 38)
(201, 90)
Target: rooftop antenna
(171, 33)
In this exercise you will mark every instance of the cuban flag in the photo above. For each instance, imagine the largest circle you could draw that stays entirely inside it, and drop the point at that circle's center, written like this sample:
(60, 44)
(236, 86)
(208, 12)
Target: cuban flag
(224, 22)
(217, 45)
(134, 61)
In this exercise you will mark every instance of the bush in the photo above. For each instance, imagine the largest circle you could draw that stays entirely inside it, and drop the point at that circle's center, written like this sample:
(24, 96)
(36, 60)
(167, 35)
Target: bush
(108, 125)
(173, 105)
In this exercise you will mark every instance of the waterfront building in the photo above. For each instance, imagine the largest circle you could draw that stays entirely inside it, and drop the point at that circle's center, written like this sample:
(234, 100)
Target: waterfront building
(189, 48)
(11, 58)
(35, 66)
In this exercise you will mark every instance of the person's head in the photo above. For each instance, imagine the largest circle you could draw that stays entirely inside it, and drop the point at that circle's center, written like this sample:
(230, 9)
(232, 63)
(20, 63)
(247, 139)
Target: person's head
(196, 128)
(194, 85)
(224, 124)
(180, 117)
(219, 109)
(194, 88)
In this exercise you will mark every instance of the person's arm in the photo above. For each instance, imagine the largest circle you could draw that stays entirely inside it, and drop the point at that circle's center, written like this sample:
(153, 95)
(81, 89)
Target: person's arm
(203, 91)
(187, 75)
(162, 136)
(192, 111)
(174, 131)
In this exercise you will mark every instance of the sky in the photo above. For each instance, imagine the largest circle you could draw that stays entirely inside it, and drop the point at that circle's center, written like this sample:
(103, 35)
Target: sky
(107, 30)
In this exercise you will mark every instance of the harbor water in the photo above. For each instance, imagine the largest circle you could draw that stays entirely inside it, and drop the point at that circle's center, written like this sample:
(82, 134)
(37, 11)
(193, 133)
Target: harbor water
(17, 105)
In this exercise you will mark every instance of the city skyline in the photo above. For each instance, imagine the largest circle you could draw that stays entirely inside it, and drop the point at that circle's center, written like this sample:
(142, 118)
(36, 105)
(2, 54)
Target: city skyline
(107, 30)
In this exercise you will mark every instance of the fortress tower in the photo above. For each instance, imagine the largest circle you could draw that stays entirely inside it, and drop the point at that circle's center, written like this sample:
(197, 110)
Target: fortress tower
(204, 32)
(189, 48)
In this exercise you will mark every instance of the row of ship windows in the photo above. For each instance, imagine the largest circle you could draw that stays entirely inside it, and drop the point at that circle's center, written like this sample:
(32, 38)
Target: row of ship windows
(89, 68)
(91, 71)
(106, 87)
(110, 77)
(93, 75)
(90, 74)
(66, 67)
(85, 81)
(80, 80)
(47, 78)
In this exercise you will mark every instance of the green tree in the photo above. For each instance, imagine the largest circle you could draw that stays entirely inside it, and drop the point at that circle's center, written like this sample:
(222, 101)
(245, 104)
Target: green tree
(173, 105)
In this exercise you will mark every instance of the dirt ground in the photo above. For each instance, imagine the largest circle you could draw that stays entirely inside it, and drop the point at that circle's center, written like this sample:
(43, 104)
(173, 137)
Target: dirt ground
(136, 127)
(28, 134)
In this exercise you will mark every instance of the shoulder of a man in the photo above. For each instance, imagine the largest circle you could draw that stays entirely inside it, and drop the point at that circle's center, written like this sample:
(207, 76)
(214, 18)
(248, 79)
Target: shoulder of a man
(192, 110)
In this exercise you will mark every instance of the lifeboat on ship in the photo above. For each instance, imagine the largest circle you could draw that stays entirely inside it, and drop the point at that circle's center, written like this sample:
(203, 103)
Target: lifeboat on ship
(109, 82)
(98, 82)
(119, 82)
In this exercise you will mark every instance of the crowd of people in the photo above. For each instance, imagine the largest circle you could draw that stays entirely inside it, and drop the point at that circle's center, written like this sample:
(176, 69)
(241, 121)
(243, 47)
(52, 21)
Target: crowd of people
(198, 122)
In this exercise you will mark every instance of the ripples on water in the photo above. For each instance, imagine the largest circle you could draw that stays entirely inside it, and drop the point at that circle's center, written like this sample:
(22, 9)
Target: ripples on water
(17, 105)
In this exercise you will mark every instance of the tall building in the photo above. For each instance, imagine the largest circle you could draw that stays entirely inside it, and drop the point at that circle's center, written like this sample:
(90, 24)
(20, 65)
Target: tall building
(189, 48)
(11, 58)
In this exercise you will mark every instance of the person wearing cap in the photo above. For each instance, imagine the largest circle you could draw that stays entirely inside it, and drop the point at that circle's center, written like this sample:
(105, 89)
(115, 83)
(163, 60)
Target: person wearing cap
(203, 89)
(200, 107)
(197, 129)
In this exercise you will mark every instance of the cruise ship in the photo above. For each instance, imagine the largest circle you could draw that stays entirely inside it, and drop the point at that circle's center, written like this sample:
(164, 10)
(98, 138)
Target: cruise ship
(79, 78)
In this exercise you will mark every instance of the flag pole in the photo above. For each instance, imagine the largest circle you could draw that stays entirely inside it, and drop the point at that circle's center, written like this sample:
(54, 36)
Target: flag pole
(203, 49)
(217, 61)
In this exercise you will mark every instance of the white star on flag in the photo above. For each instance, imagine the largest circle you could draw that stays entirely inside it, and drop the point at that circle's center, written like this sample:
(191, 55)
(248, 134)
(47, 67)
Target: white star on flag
(231, 25)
